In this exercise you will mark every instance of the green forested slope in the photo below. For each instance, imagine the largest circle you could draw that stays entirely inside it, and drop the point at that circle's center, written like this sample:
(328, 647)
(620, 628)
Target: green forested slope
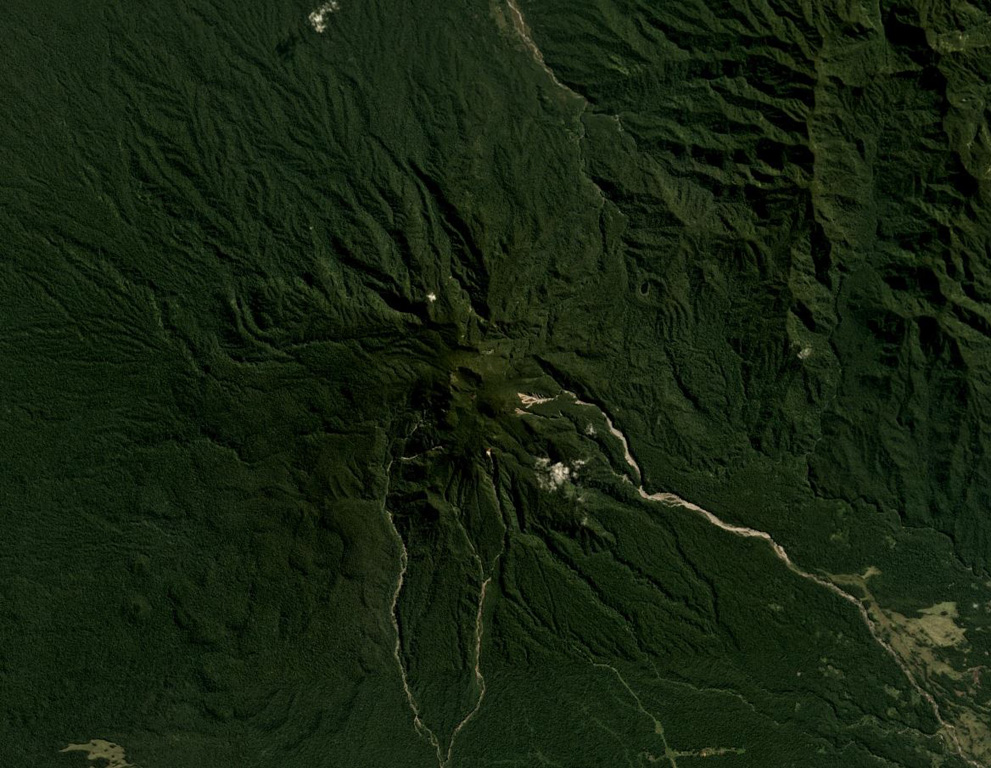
(270, 296)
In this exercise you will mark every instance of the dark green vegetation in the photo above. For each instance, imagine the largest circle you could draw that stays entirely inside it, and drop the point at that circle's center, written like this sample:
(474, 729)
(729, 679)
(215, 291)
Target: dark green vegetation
(268, 297)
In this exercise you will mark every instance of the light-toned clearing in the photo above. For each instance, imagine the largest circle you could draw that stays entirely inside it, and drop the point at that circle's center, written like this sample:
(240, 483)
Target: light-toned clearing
(704, 752)
(713, 752)
(938, 625)
(529, 400)
(100, 749)
(318, 18)
(913, 638)
(922, 643)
